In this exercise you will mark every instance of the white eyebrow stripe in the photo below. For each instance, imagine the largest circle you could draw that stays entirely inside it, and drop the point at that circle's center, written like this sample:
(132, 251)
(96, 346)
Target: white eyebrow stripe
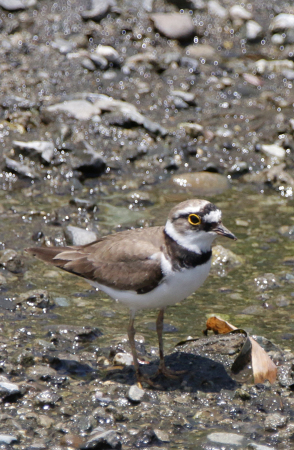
(190, 209)
(213, 216)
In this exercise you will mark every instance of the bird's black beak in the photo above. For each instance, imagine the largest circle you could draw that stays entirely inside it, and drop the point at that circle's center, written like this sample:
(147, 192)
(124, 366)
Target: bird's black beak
(223, 231)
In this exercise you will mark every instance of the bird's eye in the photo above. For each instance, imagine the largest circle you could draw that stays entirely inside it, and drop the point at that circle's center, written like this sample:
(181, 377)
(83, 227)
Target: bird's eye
(193, 219)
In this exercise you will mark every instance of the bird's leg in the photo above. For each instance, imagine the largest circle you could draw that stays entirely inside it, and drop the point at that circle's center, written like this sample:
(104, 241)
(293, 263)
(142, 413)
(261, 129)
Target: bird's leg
(162, 367)
(131, 334)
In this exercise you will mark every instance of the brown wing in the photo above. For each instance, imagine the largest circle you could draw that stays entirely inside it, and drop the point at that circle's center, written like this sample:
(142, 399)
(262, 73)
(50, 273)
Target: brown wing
(127, 260)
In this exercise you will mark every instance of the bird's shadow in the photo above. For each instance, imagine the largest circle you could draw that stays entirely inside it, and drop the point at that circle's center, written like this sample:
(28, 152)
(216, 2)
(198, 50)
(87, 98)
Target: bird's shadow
(201, 374)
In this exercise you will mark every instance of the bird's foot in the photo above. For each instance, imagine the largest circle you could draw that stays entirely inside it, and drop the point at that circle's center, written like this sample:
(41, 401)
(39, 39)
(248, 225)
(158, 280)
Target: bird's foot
(169, 373)
(143, 379)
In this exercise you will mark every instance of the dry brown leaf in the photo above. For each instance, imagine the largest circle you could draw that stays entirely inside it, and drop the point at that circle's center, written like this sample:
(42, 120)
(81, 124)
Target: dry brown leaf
(218, 325)
(263, 367)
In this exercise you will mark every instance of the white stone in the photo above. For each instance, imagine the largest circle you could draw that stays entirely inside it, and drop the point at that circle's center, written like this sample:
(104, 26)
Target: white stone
(108, 52)
(227, 438)
(282, 21)
(262, 65)
(215, 9)
(123, 359)
(253, 30)
(44, 148)
(273, 150)
(237, 12)
(277, 39)
(79, 109)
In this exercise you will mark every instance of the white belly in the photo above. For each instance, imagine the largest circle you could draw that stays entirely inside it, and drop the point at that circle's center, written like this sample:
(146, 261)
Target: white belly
(175, 287)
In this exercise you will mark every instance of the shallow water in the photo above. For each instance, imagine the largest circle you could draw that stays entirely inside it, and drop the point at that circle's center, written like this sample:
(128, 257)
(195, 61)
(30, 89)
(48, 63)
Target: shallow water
(236, 297)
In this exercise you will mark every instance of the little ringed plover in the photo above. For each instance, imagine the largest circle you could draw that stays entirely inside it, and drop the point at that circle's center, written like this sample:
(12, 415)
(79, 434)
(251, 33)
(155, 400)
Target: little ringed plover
(148, 267)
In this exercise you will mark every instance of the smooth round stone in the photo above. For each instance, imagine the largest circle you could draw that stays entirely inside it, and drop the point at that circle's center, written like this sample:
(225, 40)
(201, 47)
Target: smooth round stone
(231, 439)
(135, 394)
(79, 236)
(274, 421)
(273, 150)
(253, 30)
(123, 359)
(174, 25)
(205, 51)
(237, 12)
(202, 183)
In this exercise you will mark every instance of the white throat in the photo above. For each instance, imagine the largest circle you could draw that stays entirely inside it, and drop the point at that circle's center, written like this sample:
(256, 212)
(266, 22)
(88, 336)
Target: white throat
(198, 242)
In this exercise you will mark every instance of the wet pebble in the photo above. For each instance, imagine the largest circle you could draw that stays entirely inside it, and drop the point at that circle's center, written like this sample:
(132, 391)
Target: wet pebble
(161, 435)
(123, 359)
(99, 61)
(238, 12)
(88, 64)
(202, 183)
(205, 51)
(98, 9)
(47, 398)
(11, 260)
(109, 53)
(39, 372)
(79, 109)
(71, 441)
(227, 439)
(79, 236)
(100, 439)
(224, 260)
(45, 421)
(273, 150)
(266, 281)
(102, 417)
(275, 421)
(63, 45)
(37, 297)
(281, 22)
(74, 332)
(174, 26)
(44, 149)
(7, 439)
(7, 388)
(135, 394)
(215, 9)
(287, 231)
(253, 30)
(21, 169)
(192, 129)
(146, 437)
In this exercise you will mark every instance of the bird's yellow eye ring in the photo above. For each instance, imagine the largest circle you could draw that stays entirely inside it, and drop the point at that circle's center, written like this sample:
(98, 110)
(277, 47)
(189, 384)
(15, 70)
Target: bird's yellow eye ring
(193, 219)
